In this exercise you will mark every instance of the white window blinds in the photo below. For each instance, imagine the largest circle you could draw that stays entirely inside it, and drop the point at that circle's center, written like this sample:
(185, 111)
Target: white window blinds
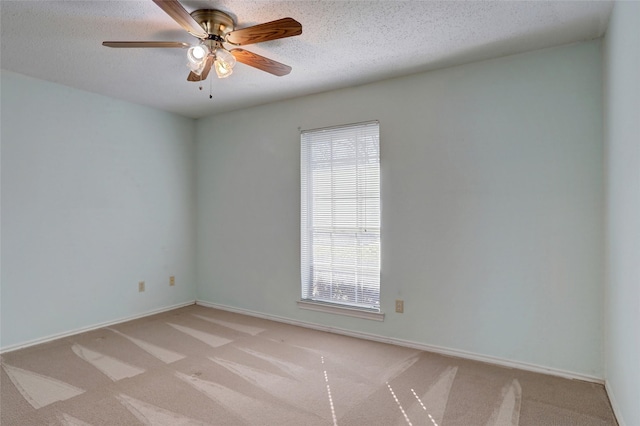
(340, 226)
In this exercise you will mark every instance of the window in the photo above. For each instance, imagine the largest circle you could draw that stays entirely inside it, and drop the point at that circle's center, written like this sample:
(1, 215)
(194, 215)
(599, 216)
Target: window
(340, 226)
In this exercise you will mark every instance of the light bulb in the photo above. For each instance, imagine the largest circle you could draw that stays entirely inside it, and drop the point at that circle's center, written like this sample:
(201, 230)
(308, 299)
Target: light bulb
(197, 54)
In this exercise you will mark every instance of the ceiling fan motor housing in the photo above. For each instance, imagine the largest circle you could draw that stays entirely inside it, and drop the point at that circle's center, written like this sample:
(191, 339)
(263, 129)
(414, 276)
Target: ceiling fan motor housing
(213, 21)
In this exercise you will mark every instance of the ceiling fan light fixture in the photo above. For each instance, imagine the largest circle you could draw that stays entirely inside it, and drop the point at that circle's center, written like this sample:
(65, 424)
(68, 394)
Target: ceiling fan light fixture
(224, 63)
(225, 56)
(197, 58)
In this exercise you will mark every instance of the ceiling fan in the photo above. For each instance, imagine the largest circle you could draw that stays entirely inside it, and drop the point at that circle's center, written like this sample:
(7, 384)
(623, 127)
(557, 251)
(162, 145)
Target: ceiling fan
(214, 28)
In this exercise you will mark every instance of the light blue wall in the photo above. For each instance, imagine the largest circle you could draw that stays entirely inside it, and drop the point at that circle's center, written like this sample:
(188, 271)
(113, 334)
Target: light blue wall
(622, 141)
(492, 206)
(97, 194)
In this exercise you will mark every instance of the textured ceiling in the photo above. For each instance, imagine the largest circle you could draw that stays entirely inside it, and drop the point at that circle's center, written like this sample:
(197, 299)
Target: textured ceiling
(343, 43)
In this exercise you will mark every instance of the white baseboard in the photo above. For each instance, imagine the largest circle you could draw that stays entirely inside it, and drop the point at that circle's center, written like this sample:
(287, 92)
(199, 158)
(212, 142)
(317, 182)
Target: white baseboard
(92, 327)
(415, 345)
(614, 404)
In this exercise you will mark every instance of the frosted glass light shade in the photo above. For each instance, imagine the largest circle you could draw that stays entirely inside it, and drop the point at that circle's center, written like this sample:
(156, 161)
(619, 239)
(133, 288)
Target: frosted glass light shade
(225, 56)
(223, 70)
(197, 57)
(224, 63)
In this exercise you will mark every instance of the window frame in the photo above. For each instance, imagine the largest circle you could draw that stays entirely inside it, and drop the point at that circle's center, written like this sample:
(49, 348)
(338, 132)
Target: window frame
(361, 156)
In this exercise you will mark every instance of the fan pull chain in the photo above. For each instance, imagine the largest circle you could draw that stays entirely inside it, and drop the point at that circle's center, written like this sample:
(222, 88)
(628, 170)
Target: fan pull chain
(210, 88)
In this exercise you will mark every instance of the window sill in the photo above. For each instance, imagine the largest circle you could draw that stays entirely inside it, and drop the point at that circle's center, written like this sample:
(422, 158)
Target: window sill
(341, 310)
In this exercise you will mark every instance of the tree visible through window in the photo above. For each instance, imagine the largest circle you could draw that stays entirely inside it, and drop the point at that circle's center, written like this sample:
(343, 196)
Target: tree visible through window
(340, 226)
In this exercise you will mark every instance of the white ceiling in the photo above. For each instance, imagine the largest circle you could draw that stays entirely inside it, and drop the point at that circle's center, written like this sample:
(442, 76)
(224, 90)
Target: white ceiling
(343, 43)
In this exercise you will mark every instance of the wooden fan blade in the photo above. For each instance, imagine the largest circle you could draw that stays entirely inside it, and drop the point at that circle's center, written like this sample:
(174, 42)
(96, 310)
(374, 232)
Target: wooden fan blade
(163, 44)
(285, 27)
(260, 62)
(205, 71)
(174, 9)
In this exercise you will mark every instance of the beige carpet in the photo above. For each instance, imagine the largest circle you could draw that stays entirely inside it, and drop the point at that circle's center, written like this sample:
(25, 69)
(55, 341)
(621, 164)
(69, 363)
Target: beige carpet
(196, 365)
